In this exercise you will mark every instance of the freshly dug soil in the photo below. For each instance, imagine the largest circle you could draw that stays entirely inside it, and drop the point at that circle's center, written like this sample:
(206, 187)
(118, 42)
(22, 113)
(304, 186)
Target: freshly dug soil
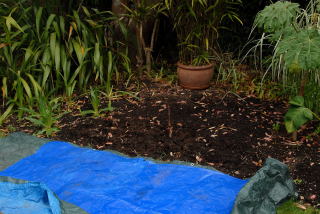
(232, 133)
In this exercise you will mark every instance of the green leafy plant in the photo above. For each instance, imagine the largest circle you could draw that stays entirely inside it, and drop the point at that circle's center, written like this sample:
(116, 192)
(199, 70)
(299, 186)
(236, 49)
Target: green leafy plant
(62, 7)
(230, 74)
(141, 13)
(95, 102)
(297, 114)
(45, 116)
(42, 53)
(277, 18)
(197, 23)
(294, 207)
(276, 127)
(6, 113)
(163, 74)
(294, 32)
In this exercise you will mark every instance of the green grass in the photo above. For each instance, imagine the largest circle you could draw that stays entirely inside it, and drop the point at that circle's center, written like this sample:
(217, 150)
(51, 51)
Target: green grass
(290, 207)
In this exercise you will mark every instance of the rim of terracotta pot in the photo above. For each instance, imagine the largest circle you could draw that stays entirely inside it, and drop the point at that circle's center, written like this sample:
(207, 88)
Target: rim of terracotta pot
(193, 67)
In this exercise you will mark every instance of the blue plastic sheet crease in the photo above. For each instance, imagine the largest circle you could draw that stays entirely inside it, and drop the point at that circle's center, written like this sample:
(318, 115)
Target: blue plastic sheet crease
(27, 198)
(104, 182)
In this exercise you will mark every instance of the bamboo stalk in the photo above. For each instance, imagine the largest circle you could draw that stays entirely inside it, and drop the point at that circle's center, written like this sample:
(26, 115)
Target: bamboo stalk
(148, 51)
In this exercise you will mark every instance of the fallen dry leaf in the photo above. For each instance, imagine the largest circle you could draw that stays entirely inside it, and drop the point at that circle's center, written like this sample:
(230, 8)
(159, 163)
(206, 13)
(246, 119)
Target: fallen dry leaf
(2, 45)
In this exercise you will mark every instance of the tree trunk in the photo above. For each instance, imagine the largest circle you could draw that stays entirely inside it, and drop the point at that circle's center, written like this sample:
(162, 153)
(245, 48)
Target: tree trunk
(141, 41)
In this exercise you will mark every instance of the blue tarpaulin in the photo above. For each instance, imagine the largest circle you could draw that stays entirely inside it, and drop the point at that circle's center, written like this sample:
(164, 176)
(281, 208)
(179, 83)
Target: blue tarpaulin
(43, 177)
(104, 182)
(27, 198)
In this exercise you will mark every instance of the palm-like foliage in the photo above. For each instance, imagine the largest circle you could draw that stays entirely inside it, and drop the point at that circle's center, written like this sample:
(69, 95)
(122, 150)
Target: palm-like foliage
(300, 50)
(295, 35)
(277, 17)
(294, 32)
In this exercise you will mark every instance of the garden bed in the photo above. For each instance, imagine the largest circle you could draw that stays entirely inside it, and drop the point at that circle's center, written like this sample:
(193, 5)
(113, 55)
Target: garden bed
(216, 128)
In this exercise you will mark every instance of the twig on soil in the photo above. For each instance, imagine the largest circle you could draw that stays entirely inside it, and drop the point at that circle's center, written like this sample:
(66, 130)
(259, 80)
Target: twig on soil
(230, 92)
(170, 128)
(295, 143)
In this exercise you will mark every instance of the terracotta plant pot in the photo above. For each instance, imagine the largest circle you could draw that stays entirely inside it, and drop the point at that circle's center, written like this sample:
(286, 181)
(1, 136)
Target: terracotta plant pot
(194, 77)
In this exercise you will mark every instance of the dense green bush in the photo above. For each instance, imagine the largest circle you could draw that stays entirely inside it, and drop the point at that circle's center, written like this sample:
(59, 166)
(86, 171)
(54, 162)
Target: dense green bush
(294, 33)
(43, 54)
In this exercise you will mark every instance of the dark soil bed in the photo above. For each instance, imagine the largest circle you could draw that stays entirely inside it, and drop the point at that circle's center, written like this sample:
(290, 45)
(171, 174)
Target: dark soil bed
(232, 133)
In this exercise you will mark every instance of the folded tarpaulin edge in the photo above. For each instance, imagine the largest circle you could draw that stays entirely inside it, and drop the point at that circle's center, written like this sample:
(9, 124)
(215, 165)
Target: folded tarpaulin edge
(65, 207)
(269, 187)
(41, 191)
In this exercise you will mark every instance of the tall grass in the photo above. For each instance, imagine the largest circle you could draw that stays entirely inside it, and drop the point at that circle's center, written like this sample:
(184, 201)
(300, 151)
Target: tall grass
(44, 54)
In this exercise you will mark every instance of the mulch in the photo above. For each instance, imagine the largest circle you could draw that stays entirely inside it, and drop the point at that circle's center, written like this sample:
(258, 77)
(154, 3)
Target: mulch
(230, 132)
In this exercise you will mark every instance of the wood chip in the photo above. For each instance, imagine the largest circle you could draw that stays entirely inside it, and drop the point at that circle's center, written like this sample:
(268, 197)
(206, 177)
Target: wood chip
(300, 206)
(179, 124)
(259, 163)
(199, 159)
